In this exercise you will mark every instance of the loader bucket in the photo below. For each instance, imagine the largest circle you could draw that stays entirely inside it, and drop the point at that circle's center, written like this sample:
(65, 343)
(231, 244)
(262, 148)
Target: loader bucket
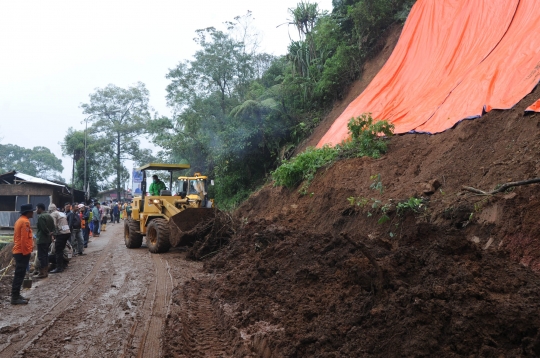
(183, 223)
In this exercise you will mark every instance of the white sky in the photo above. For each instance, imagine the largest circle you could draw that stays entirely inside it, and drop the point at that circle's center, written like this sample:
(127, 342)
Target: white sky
(54, 53)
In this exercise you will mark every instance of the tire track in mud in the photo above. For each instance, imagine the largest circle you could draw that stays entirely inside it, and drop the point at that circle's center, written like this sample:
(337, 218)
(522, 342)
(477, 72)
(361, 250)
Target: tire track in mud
(120, 306)
(110, 327)
(197, 325)
(162, 289)
(109, 307)
(43, 323)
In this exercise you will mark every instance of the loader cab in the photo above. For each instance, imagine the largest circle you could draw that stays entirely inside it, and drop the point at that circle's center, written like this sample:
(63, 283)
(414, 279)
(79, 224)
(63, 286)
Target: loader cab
(195, 188)
(139, 203)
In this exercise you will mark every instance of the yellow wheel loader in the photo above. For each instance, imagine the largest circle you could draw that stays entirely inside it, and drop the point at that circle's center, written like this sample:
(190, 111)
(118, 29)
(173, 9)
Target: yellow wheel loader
(164, 219)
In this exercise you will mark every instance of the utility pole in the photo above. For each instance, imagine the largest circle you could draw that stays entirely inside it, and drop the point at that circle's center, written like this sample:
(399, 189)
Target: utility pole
(73, 180)
(84, 185)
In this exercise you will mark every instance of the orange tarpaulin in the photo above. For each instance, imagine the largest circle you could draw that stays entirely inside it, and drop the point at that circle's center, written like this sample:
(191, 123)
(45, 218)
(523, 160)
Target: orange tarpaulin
(535, 107)
(454, 59)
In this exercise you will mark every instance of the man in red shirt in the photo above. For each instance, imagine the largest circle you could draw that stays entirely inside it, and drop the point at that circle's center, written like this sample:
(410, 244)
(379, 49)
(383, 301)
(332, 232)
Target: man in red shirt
(23, 245)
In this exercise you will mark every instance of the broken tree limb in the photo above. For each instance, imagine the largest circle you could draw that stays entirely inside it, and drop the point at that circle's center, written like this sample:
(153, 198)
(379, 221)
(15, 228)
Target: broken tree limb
(502, 187)
(363, 248)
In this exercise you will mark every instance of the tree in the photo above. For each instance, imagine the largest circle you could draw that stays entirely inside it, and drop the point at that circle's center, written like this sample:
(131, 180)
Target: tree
(98, 168)
(229, 120)
(38, 161)
(119, 117)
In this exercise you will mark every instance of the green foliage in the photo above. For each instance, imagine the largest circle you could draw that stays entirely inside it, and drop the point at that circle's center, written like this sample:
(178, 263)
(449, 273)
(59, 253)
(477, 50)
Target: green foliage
(413, 204)
(402, 14)
(365, 142)
(338, 71)
(377, 183)
(371, 17)
(231, 190)
(303, 167)
(366, 135)
(118, 118)
(386, 209)
(237, 113)
(38, 161)
(100, 166)
(229, 120)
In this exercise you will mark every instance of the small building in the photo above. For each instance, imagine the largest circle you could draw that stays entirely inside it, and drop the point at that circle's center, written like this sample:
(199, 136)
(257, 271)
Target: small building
(17, 189)
(112, 195)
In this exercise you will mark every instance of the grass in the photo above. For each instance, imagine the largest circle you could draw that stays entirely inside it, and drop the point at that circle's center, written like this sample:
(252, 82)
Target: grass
(367, 140)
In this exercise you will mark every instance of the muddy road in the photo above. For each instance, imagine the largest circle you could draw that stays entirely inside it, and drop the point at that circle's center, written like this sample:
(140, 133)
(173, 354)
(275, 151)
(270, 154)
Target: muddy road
(112, 302)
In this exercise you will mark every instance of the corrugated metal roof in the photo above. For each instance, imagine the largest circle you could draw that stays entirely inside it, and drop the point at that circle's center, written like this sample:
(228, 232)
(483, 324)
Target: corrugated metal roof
(31, 179)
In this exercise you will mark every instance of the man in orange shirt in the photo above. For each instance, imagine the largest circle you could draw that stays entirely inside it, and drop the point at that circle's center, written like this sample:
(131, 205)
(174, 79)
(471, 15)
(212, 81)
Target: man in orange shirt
(23, 245)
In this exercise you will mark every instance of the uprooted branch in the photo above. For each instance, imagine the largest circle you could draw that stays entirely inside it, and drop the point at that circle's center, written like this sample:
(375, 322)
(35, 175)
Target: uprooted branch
(502, 187)
(363, 248)
(210, 236)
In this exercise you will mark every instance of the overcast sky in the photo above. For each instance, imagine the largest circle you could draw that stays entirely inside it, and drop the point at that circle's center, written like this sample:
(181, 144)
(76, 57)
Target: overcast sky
(54, 53)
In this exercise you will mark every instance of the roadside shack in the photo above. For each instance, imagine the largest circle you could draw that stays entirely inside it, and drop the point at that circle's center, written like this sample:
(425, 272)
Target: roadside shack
(17, 188)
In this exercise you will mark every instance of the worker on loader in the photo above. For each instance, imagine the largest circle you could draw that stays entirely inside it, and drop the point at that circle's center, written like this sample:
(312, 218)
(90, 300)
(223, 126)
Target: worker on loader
(157, 186)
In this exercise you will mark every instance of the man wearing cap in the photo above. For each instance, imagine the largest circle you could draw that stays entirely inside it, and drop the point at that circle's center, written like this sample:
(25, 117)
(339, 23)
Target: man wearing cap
(61, 235)
(45, 229)
(77, 240)
(23, 244)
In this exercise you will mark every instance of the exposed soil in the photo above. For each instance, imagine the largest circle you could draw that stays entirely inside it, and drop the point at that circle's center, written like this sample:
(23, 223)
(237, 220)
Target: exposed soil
(457, 278)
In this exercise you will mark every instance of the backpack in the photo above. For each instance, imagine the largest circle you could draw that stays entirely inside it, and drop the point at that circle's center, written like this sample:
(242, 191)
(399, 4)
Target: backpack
(75, 221)
(62, 223)
(83, 222)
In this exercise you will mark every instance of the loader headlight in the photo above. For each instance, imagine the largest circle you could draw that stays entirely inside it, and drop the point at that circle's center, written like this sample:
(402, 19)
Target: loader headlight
(156, 201)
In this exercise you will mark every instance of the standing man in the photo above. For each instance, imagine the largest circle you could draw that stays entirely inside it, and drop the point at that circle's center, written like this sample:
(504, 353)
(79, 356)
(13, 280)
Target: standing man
(87, 225)
(115, 213)
(128, 210)
(157, 186)
(23, 244)
(96, 217)
(61, 234)
(45, 229)
(77, 240)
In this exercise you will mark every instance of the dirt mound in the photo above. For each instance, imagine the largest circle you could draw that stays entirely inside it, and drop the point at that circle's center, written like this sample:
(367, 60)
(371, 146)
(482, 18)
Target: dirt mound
(6, 255)
(5, 258)
(500, 147)
(455, 276)
(210, 236)
(441, 294)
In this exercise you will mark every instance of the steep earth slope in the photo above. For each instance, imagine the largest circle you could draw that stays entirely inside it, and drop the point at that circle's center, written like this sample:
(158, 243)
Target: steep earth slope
(456, 278)
(386, 44)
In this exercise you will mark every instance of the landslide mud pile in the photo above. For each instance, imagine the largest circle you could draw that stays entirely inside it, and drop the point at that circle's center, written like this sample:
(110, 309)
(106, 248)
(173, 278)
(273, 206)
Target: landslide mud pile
(5, 258)
(459, 277)
(296, 293)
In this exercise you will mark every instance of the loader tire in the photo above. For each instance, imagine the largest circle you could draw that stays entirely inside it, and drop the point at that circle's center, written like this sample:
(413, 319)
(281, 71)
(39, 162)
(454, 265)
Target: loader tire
(132, 238)
(157, 236)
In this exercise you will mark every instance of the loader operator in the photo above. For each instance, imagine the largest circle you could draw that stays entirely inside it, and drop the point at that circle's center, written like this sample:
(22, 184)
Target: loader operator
(157, 186)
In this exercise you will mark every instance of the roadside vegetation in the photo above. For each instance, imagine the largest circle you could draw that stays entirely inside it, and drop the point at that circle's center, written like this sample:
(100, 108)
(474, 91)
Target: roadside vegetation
(238, 113)
(367, 140)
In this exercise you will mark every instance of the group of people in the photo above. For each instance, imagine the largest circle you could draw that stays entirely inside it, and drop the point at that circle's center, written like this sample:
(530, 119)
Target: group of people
(70, 226)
